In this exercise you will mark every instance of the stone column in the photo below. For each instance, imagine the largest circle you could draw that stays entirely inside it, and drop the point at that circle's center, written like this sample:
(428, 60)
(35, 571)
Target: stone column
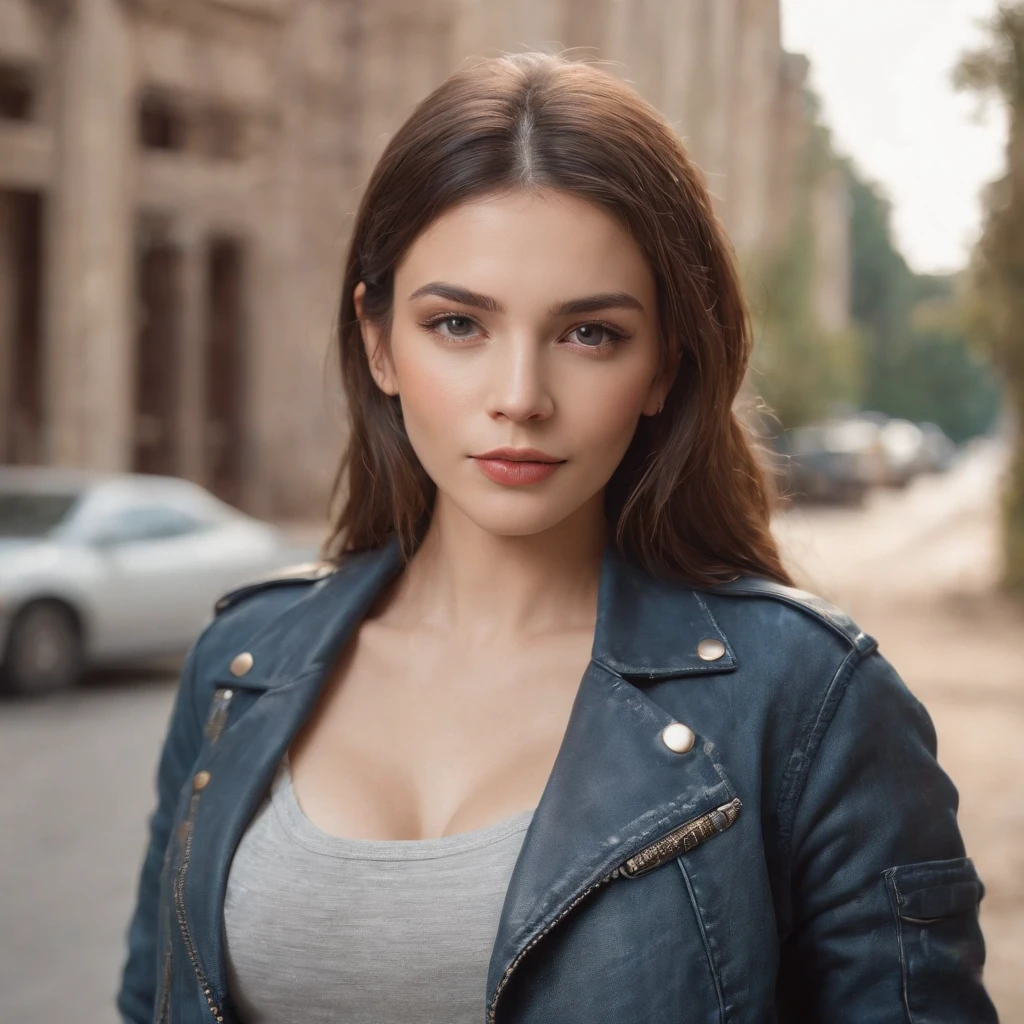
(750, 158)
(191, 414)
(8, 314)
(830, 216)
(682, 53)
(717, 101)
(88, 359)
(789, 136)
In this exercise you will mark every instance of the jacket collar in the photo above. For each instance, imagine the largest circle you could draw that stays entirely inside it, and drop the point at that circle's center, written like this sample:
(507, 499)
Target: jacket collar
(646, 629)
(650, 629)
(615, 787)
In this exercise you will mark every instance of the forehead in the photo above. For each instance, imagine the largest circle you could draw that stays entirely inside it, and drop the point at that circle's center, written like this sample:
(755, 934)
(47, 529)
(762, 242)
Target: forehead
(521, 245)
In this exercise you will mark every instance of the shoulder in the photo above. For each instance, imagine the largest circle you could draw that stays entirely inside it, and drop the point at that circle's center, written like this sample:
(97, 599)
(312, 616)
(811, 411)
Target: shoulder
(808, 657)
(798, 646)
(292, 580)
(293, 609)
(753, 600)
(805, 658)
(244, 613)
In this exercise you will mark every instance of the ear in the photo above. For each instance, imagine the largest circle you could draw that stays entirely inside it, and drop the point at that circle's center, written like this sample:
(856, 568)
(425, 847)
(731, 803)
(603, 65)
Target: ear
(377, 354)
(660, 387)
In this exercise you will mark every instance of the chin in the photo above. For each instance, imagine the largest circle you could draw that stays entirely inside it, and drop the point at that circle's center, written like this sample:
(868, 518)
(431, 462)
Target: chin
(511, 516)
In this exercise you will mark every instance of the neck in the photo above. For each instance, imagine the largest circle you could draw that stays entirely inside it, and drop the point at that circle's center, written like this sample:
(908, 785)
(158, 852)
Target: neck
(482, 586)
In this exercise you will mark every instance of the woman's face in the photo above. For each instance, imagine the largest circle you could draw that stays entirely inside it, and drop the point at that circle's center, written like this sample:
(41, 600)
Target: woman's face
(521, 321)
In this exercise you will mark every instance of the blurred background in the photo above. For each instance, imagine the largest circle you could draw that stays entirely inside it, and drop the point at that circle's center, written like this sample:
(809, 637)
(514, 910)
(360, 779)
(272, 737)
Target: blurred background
(177, 180)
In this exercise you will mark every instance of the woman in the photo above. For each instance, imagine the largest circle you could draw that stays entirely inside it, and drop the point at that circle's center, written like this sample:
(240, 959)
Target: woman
(549, 736)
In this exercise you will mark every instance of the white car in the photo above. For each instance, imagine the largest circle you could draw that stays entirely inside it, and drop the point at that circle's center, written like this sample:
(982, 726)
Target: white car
(100, 568)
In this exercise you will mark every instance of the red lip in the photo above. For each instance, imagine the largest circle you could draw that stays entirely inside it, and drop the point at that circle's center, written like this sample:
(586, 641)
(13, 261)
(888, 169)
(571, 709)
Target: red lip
(518, 455)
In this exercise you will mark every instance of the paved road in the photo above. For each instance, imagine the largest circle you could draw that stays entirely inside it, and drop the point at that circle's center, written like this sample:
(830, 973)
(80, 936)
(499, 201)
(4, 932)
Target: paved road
(915, 568)
(77, 785)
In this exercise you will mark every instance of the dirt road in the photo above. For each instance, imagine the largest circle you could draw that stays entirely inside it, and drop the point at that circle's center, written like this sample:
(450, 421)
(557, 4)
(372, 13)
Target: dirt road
(917, 570)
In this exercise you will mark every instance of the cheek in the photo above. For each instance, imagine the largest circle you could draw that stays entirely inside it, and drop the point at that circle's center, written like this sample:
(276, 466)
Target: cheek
(436, 392)
(606, 412)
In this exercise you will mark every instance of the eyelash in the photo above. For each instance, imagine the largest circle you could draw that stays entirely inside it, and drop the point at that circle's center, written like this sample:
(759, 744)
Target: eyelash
(616, 336)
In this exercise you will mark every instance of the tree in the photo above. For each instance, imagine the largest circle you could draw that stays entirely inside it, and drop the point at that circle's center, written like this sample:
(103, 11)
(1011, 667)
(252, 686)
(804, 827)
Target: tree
(906, 353)
(917, 361)
(803, 370)
(996, 305)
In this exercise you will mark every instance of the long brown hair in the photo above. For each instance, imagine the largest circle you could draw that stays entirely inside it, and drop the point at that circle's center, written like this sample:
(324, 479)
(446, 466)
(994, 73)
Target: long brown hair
(689, 500)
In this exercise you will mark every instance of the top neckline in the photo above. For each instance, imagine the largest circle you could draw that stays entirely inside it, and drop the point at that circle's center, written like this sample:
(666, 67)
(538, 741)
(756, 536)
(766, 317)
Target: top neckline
(306, 834)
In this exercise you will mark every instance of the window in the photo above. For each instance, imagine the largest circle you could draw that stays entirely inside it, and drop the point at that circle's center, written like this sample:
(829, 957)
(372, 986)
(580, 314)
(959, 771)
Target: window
(162, 122)
(17, 92)
(223, 133)
(148, 522)
(27, 514)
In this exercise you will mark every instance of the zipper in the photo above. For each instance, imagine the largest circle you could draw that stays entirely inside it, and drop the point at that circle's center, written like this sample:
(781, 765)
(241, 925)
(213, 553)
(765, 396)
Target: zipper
(218, 715)
(163, 1013)
(492, 1013)
(680, 840)
(164, 993)
(179, 907)
(214, 725)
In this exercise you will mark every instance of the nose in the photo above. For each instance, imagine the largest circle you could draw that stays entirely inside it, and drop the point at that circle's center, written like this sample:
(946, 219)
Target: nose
(519, 390)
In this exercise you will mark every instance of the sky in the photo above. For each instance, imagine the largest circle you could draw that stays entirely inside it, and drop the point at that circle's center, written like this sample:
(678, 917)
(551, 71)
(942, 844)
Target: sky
(882, 69)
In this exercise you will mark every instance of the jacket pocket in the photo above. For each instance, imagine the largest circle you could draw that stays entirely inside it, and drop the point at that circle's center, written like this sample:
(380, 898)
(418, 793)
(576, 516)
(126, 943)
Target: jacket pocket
(942, 951)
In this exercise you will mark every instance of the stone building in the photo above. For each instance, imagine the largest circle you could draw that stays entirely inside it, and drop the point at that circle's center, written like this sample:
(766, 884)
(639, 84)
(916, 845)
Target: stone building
(177, 180)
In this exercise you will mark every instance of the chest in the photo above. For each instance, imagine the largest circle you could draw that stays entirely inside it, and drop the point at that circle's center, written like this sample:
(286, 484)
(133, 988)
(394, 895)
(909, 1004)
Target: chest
(415, 736)
(575, 941)
(321, 928)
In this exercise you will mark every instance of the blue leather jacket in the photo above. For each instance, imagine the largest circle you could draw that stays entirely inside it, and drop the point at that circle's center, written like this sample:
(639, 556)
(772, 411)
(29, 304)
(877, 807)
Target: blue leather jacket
(800, 863)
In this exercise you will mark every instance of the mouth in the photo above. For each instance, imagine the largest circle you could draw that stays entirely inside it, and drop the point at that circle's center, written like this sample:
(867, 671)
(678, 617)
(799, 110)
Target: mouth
(518, 455)
(517, 467)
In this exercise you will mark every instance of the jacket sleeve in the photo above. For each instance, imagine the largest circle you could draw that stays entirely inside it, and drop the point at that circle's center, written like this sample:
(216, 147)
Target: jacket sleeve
(885, 901)
(137, 995)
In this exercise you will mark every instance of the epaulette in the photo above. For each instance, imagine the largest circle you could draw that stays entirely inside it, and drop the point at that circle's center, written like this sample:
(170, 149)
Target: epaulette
(305, 572)
(813, 604)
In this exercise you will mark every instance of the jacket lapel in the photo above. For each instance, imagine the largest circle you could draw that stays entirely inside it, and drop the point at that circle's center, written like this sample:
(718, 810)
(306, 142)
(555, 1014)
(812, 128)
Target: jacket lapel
(615, 787)
(291, 661)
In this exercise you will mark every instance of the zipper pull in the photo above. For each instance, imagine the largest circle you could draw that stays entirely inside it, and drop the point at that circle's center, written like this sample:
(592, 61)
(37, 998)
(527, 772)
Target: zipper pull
(682, 839)
(218, 713)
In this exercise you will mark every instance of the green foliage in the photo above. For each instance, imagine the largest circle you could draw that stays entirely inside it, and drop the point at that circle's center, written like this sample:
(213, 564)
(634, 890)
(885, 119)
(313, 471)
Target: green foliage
(919, 367)
(802, 371)
(907, 353)
(882, 283)
(995, 307)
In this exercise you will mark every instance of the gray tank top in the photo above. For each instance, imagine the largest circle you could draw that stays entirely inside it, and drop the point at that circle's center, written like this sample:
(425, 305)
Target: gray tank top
(320, 928)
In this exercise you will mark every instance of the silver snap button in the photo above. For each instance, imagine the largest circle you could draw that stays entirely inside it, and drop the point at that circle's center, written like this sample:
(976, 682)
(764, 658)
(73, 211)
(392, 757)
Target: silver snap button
(241, 664)
(710, 650)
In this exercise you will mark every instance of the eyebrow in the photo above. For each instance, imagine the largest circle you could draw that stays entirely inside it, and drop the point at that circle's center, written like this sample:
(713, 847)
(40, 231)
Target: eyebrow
(463, 296)
(573, 307)
(595, 303)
